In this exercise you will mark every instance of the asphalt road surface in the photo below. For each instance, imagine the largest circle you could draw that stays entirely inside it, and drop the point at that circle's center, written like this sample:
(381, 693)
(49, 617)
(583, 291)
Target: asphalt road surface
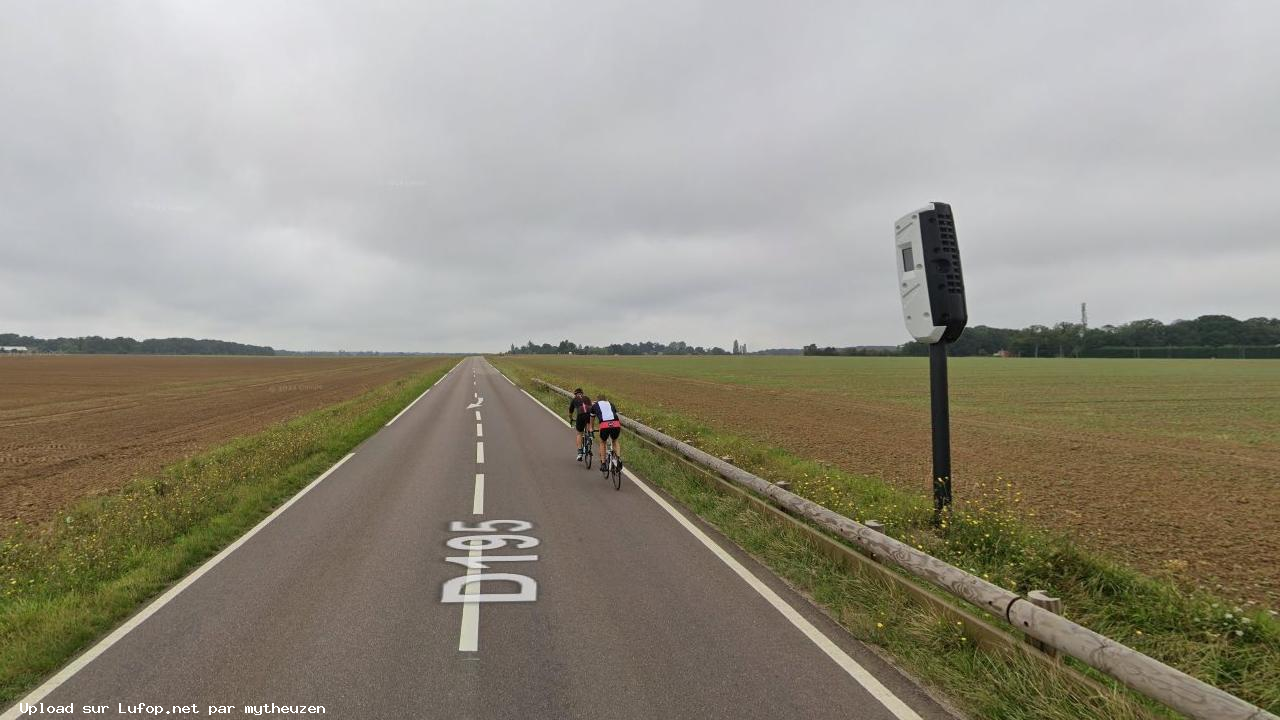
(582, 602)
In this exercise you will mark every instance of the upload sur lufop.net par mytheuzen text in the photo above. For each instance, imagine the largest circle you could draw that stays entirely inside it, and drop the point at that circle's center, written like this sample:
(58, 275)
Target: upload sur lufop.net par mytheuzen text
(27, 709)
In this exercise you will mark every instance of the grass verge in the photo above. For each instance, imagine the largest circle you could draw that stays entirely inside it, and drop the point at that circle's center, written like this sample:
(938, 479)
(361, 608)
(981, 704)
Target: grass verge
(1234, 648)
(66, 583)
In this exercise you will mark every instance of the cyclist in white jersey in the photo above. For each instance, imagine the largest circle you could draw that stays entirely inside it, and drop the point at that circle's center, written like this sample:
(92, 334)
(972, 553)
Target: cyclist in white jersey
(606, 415)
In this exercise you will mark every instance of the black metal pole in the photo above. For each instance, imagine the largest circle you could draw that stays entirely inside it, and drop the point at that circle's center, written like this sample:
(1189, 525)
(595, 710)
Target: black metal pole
(941, 428)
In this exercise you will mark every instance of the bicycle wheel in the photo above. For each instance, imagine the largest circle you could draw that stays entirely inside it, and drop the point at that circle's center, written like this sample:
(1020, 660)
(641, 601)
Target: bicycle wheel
(586, 458)
(616, 472)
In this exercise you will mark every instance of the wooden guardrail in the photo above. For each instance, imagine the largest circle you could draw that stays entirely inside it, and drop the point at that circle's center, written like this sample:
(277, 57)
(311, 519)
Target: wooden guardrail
(1142, 673)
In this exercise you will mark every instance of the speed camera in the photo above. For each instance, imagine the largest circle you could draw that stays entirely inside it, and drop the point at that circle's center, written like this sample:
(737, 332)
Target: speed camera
(929, 278)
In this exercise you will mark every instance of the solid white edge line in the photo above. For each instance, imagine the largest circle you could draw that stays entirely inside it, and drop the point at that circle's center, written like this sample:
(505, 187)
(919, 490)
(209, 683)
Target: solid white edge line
(860, 674)
(479, 453)
(53, 683)
(406, 407)
(477, 499)
(544, 407)
(504, 377)
(455, 367)
(415, 401)
(864, 678)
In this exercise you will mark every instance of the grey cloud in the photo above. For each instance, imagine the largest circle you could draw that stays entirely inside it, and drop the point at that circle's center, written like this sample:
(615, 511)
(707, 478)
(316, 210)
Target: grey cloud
(461, 175)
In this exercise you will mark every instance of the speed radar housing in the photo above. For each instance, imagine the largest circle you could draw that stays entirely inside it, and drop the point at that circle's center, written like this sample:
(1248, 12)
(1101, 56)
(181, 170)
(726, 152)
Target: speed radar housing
(929, 277)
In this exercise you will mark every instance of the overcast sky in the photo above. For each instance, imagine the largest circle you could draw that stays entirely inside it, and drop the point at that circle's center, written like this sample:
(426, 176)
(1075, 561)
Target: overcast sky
(458, 176)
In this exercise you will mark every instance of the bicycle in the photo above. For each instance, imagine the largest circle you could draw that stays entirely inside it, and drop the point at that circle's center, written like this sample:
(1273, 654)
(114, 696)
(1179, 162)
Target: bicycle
(611, 466)
(588, 440)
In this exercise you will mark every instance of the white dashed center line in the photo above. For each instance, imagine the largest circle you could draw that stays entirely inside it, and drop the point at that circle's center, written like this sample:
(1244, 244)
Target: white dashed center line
(469, 636)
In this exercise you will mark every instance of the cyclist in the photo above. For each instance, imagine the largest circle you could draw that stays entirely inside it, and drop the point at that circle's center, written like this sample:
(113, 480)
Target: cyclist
(580, 405)
(610, 428)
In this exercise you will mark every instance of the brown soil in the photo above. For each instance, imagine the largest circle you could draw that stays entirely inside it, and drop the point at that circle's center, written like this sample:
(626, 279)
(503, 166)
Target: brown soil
(72, 426)
(1203, 514)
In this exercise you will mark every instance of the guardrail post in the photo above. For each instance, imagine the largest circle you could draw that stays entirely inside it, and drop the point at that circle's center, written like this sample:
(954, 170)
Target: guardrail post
(1041, 599)
(878, 527)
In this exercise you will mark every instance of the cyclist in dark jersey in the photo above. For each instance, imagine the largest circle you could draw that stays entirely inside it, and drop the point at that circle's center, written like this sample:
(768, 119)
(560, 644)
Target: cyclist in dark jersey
(580, 405)
(610, 427)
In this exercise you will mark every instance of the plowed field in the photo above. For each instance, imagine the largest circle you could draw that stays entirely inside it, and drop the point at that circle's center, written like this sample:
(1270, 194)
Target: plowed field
(1172, 466)
(72, 426)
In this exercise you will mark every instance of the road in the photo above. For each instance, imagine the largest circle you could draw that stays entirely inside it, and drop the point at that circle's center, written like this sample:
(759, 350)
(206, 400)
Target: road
(611, 604)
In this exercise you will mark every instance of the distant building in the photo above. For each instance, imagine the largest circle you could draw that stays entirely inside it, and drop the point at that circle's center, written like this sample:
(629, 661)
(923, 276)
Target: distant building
(14, 349)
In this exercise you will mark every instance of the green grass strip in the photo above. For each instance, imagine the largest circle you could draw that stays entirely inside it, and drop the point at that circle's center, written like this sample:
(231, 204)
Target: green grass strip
(66, 583)
(1234, 648)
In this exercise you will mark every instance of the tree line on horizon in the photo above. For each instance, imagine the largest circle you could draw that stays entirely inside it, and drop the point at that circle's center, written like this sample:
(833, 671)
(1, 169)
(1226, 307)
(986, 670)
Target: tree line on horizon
(95, 345)
(1205, 336)
(679, 347)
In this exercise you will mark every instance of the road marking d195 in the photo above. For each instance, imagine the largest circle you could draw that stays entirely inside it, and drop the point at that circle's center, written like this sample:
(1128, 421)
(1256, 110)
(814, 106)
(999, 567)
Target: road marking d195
(484, 536)
(465, 590)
